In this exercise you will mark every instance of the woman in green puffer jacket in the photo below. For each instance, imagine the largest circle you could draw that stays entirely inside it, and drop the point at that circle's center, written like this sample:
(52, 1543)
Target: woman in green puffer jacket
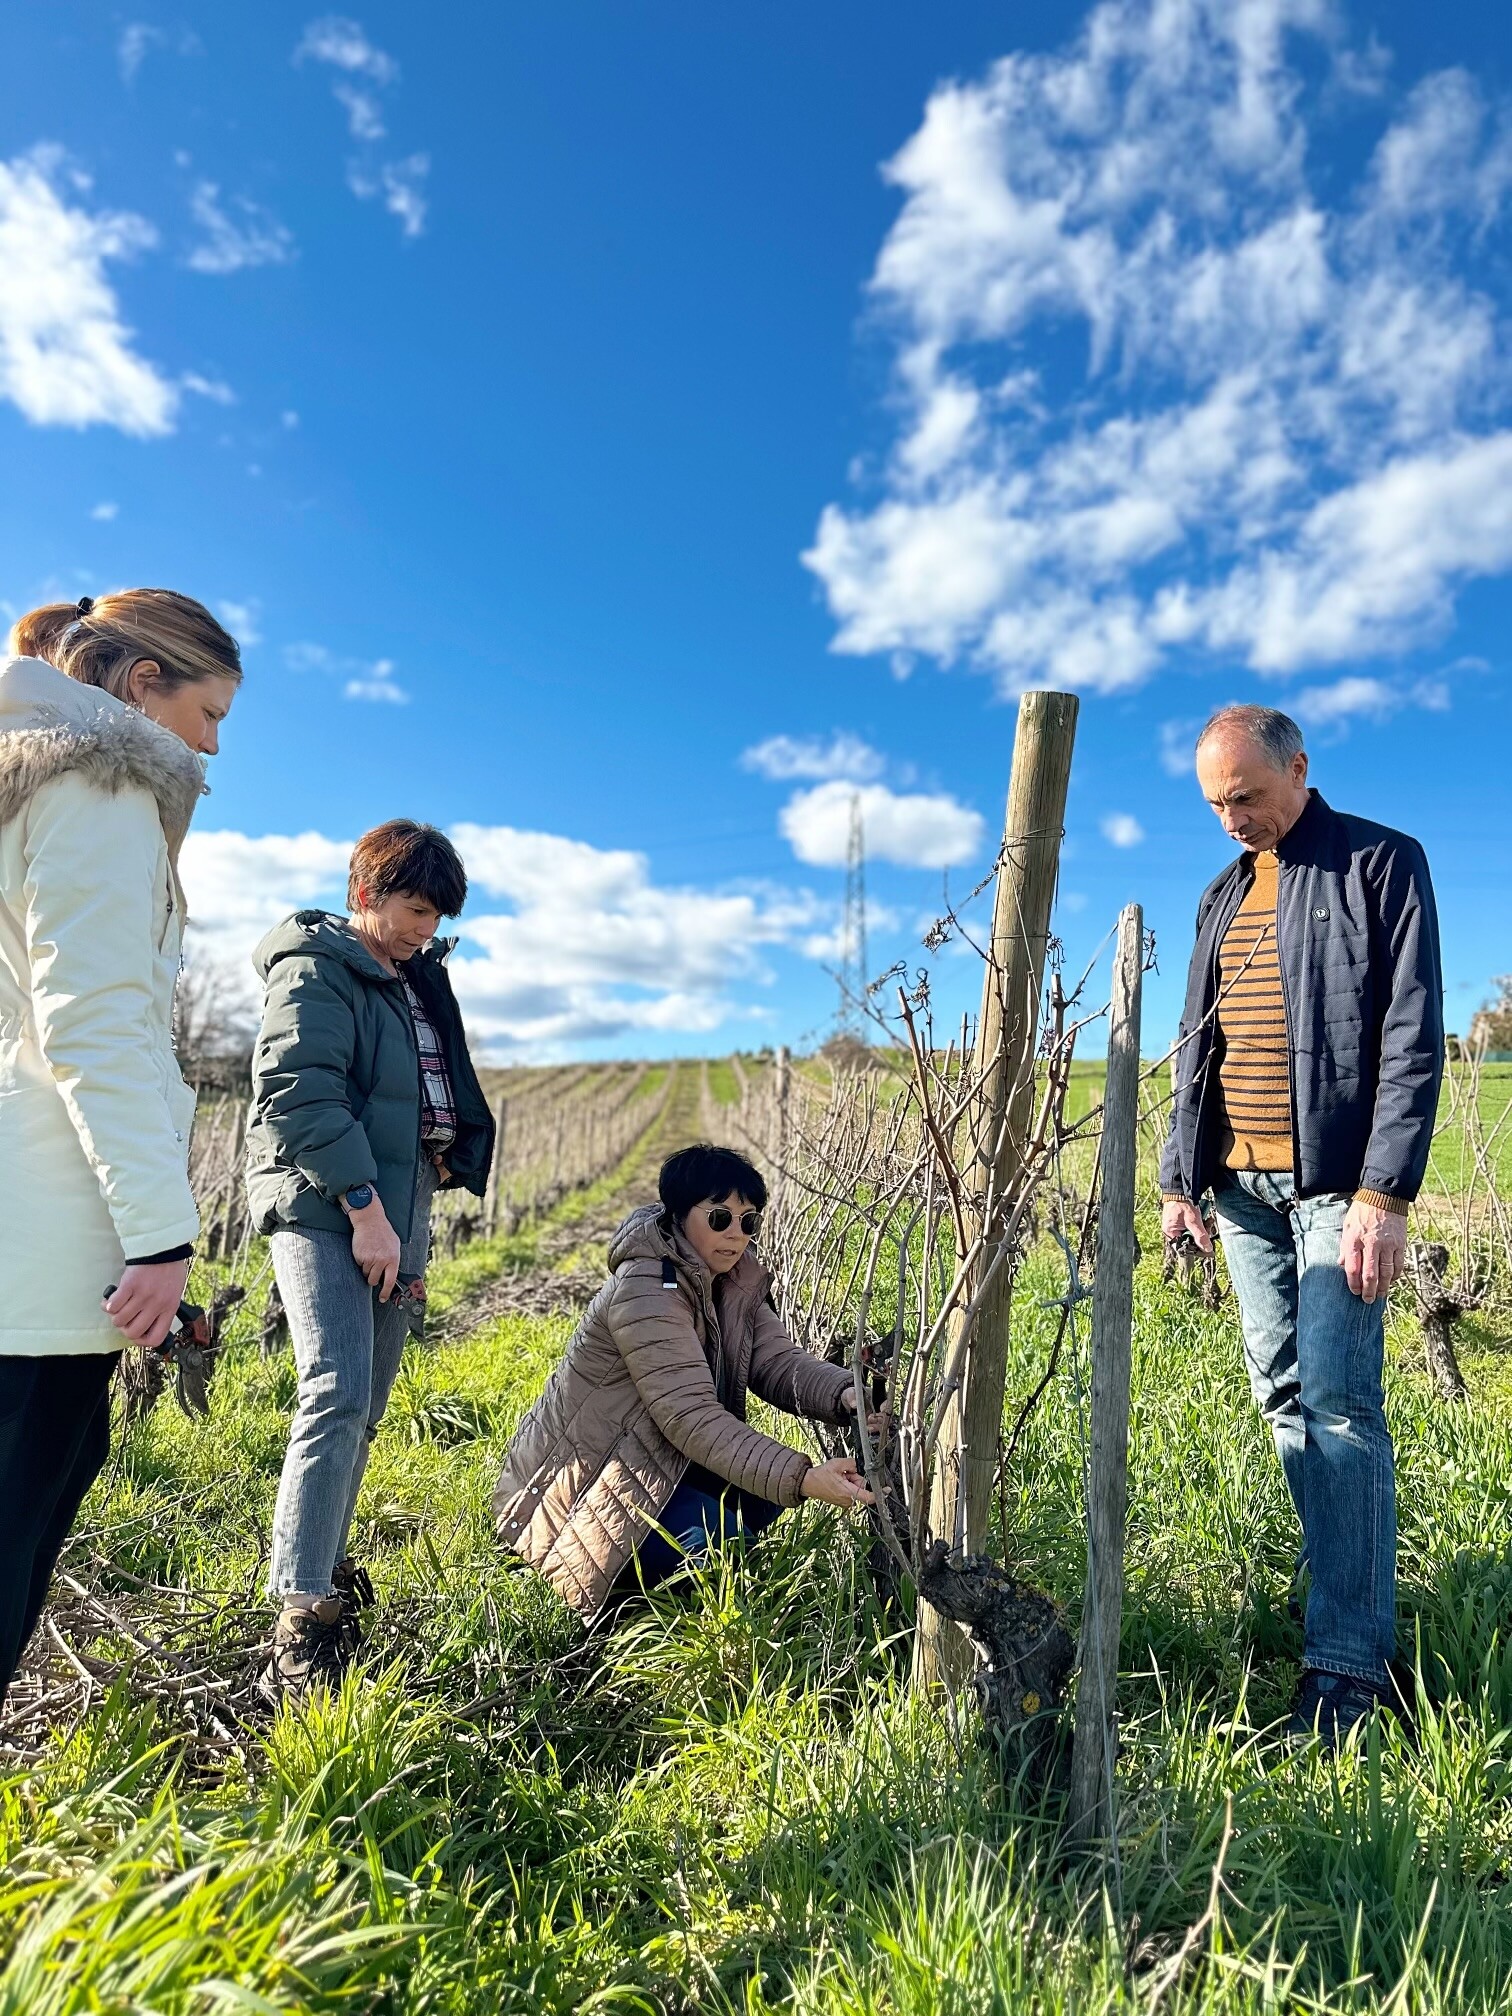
(365, 1101)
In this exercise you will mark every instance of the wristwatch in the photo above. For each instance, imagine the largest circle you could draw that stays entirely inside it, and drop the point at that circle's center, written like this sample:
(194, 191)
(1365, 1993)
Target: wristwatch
(358, 1197)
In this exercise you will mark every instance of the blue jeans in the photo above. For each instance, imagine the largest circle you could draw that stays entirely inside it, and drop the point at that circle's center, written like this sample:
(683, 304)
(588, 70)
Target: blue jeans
(1315, 1353)
(347, 1348)
(703, 1515)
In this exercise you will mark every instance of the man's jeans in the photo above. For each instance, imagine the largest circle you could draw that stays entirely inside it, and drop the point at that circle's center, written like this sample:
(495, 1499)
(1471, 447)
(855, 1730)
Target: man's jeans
(1315, 1353)
(347, 1348)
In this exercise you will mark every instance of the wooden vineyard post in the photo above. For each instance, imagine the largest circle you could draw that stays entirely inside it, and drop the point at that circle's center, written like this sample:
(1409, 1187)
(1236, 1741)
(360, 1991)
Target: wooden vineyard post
(1093, 1747)
(966, 1466)
(235, 1207)
(495, 1169)
(784, 1094)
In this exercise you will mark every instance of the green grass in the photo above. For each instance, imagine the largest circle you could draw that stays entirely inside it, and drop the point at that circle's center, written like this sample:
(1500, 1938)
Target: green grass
(724, 1086)
(730, 1803)
(1451, 1168)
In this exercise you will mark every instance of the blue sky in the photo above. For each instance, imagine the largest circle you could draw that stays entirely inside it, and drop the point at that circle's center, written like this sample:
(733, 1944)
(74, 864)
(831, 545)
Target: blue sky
(619, 434)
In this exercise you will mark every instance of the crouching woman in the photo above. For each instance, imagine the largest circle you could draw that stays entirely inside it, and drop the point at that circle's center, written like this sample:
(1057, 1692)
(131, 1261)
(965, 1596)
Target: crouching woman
(364, 1102)
(638, 1454)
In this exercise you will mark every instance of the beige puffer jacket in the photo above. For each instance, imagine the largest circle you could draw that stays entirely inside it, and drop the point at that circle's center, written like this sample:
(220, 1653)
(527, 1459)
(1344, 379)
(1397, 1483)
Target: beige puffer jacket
(655, 1378)
(95, 800)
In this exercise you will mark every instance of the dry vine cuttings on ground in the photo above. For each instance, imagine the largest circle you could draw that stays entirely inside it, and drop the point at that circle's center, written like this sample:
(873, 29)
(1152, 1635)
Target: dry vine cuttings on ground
(891, 1230)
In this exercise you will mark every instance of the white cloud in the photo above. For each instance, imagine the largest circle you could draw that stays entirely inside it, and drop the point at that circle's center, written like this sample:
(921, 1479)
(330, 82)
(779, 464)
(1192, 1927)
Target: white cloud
(362, 679)
(1284, 439)
(289, 418)
(138, 38)
(253, 237)
(400, 184)
(1358, 698)
(310, 658)
(828, 947)
(592, 948)
(242, 619)
(104, 511)
(1440, 156)
(912, 829)
(782, 757)
(238, 887)
(1178, 747)
(1121, 829)
(338, 40)
(364, 113)
(66, 356)
(377, 683)
(1324, 706)
(364, 73)
(135, 39)
(563, 943)
(1373, 567)
(214, 389)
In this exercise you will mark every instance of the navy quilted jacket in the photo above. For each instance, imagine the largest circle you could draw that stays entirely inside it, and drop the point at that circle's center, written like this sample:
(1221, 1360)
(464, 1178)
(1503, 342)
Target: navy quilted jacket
(1357, 932)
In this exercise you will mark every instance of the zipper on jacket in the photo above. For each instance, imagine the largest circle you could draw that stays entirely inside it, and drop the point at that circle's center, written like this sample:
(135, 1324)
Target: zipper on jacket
(1205, 1089)
(402, 1006)
(440, 1004)
(1291, 1040)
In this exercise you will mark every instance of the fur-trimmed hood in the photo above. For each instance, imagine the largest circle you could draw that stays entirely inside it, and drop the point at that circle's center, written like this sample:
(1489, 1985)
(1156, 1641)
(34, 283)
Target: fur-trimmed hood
(50, 725)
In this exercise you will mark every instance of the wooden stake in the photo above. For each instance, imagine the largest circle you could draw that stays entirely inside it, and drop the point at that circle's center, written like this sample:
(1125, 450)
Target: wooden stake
(960, 1505)
(495, 1170)
(1094, 1746)
(784, 1095)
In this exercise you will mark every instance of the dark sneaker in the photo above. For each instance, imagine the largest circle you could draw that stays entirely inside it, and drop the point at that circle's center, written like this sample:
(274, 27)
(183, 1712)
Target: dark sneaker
(1329, 1706)
(308, 1653)
(352, 1583)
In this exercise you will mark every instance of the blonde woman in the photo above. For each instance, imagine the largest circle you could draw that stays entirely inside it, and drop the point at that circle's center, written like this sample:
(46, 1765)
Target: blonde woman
(106, 708)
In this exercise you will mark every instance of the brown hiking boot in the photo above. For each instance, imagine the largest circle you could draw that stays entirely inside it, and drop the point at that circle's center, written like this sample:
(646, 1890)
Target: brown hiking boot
(309, 1652)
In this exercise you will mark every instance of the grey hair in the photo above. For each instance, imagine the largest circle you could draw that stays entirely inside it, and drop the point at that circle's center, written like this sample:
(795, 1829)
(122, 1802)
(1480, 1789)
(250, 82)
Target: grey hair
(1275, 733)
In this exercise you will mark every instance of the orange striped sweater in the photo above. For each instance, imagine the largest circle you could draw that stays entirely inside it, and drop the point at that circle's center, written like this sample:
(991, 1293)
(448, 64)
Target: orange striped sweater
(1254, 1076)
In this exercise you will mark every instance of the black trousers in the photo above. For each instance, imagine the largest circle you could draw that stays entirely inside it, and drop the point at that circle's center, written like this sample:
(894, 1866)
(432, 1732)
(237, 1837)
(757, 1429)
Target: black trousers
(54, 1438)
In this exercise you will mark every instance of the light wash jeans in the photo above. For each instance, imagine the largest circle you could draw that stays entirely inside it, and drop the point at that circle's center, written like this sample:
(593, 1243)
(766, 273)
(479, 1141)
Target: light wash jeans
(347, 1348)
(1315, 1353)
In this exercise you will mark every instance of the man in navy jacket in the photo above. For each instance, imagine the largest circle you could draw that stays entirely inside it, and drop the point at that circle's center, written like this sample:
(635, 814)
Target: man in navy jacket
(1307, 1079)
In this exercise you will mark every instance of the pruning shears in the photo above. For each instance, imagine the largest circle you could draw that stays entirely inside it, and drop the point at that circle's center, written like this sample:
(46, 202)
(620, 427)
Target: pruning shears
(188, 1352)
(409, 1290)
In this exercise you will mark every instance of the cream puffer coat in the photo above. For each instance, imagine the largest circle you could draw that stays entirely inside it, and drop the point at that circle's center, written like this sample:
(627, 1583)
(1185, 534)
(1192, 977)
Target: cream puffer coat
(95, 801)
(655, 1378)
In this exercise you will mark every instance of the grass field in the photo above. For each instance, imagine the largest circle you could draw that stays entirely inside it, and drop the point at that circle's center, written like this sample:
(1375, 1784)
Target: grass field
(729, 1803)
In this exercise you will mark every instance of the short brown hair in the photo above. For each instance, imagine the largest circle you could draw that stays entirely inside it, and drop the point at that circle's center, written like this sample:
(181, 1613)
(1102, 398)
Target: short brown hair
(402, 858)
(98, 639)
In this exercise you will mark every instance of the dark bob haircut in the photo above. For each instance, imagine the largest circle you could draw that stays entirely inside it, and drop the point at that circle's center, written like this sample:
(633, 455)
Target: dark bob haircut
(401, 858)
(703, 1173)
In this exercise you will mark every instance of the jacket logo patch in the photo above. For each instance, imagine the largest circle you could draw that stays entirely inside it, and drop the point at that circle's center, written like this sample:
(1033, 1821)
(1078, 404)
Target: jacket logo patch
(669, 1274)
(1321, 913)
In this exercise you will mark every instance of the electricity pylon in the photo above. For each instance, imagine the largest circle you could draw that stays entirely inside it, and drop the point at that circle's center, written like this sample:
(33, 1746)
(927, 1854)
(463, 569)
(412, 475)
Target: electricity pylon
(851, 1020)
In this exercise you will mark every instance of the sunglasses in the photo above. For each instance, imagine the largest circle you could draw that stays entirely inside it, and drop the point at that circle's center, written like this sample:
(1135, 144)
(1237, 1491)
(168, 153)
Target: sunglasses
(720, 1218)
